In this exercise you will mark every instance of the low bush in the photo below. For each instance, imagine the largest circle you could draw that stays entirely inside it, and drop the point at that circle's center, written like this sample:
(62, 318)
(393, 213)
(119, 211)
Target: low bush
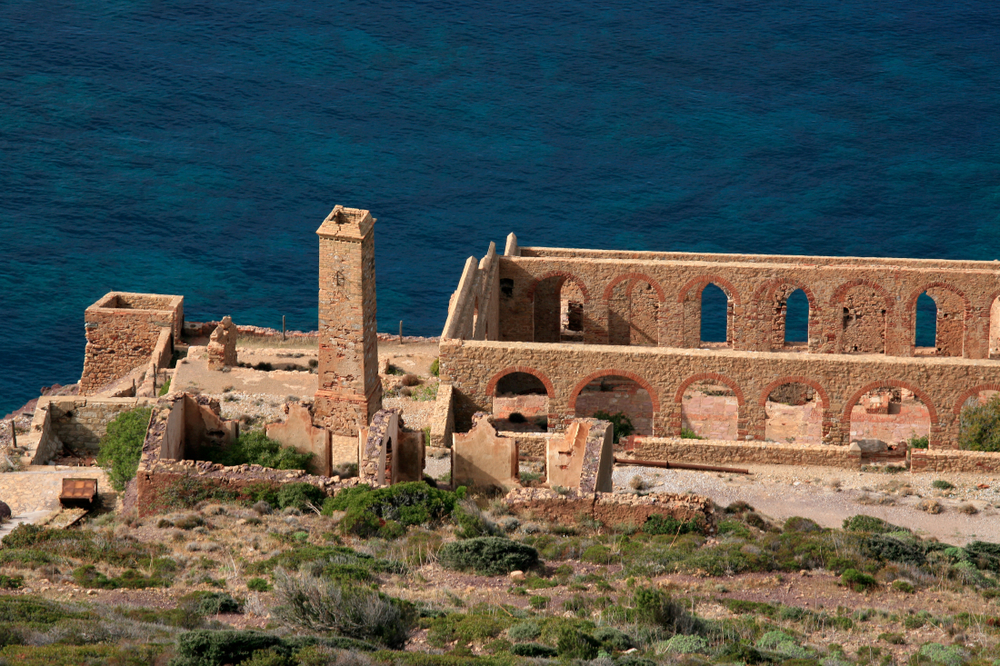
(320, 605)
(857, 581)
(436, 367)
(621, 424)
(387, 512)
(465, 628)
(215, 648)
(121, 446)
(688, 433)
(256, 448)
(799, 524)
(81, 655)
(681, 644)
(524, 631)
(335, 562)
(208, 603)
(534, 650)
(941, 484)
(258, 585)
(471, 521)
(979, 426)
(661, 524)
(88, 576)
(656, 607)
(300, 496)
(575, 644)
(487, 556)
(863, 523)
(35, 612)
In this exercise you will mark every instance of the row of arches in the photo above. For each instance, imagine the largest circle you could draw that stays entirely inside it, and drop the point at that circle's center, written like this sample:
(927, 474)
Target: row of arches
(711, 406)
(786, 315)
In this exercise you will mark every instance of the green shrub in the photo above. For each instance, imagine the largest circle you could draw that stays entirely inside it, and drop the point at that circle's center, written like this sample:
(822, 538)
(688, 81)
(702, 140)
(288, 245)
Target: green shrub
(799, 524)
(857, 581)
(863, 523)
(320, 605)
(951, 655)
(36, 612)
(889, 549)
(11, 582)
(533, 650)
(256, 448)
(681, 644)
(524, 631)
(918, 442)
(487, 556)
(612, 639)
(208, 603)
(979, 426)
(81, 655)
(165, 388)
(471, 521)
(892, 638)
(598, 554)
(746, 607)
(299, 495)
(387, 512)
(121, 446)
(436, 367)
(903, 586)
(941, 484)
(216, 648)
(538, 601)
(688, 433)
(621, 424)
(661, 524)
(88, 576)
(335, 562)
(656, 607)
(575, 644)
(258, 585)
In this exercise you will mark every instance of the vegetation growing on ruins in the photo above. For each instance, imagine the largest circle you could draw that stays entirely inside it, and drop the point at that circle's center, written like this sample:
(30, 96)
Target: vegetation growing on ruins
(979, 426)
(256, 448)
(121, 446)
(620, 422)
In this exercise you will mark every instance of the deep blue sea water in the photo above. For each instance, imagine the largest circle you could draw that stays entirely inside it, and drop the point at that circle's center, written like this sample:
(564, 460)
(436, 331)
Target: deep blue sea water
(194, 148)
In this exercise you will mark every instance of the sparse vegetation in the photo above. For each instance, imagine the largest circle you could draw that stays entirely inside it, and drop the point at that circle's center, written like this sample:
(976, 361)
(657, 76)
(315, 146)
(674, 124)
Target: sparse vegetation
(688, 433)
(256, 448)
(979, 426)
(121, 446)
(620, 422)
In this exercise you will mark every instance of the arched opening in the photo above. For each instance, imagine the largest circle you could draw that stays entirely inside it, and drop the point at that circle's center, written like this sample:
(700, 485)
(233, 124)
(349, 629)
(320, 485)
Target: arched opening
(925, 329)
(794, 415)
(613, 394)
(863, 321)
(714, 315)
(571, 312)
(709, 410)
(520, 403)
(558, 310)
(796, 319)
(888, 415)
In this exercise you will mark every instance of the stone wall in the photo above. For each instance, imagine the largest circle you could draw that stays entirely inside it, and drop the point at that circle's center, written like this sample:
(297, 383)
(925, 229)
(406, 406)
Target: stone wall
(941, 384)
(473, 312)
(442, 418)
(80, 422)
(978, 462)
(569, 507)
(727, 453)
(856, 305)
(123, 330)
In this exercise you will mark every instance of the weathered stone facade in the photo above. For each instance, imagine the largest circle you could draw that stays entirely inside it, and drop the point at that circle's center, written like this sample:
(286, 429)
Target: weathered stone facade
(123, 330)
(861, 336)
(222, 345)
(349, 392)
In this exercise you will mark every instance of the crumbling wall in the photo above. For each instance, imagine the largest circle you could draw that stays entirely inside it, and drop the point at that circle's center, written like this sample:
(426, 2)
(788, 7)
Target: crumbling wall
(582, 458)
(569, 507)
(222, 345)
(442, 418)
(379, 443)
(122, 333)
(80, 422)
(727, 453)
(481, 457)
(298, 432)
(976, 462)
(473, 312)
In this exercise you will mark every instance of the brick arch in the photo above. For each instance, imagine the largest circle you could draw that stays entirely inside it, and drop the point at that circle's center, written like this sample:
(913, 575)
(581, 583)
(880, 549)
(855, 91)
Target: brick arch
(712, 376)
(991, 386)
(988, 304)
(563, 274)
(769, 287)
(762, 401)
(841, 292)
(653, 396)
(911, 303)
(635, 276)
(491, 386)
(702, 281)
(845, 418)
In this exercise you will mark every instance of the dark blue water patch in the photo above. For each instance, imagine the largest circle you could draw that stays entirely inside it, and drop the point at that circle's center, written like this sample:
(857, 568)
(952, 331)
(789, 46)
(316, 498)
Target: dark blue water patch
(194, 149)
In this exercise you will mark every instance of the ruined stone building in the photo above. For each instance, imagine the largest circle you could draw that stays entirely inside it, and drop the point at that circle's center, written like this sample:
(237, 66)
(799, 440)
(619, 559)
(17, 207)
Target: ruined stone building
(565, 331)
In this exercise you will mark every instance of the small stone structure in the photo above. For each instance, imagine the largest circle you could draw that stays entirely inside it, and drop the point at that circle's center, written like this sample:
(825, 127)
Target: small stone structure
(583, 458)
(222, 345)
(126, 331)
(483, 458)
(568, 507)
(388, 453)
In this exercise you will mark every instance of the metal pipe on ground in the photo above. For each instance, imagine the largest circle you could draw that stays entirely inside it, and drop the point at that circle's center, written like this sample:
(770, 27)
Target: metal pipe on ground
(672, 465)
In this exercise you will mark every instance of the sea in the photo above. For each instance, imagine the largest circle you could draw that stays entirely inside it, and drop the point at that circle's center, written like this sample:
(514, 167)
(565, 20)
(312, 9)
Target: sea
(194, 147)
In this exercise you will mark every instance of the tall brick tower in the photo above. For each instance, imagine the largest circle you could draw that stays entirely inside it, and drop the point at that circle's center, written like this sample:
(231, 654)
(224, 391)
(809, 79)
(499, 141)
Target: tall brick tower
(349, 391)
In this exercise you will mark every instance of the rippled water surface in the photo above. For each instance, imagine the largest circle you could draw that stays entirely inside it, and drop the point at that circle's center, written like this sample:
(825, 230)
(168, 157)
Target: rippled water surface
(194, 148)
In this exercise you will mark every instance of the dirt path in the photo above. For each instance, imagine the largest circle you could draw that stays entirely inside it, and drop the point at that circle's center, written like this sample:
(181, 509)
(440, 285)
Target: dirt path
(828, 495)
